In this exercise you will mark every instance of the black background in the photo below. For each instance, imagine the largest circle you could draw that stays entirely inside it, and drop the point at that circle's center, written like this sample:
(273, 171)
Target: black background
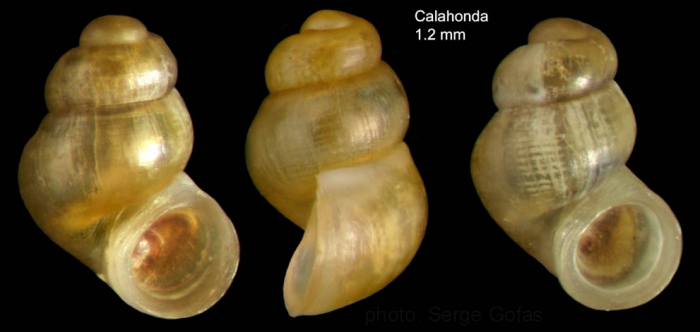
(466, 262)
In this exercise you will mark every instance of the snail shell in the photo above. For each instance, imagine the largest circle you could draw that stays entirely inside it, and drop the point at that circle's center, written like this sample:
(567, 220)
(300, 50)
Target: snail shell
(103, 176)
(550, 169)
(326, 149)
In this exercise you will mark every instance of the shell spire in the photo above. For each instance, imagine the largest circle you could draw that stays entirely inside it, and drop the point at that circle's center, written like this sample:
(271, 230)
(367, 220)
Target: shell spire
(550, 169)
(326, 149)
(104, 177)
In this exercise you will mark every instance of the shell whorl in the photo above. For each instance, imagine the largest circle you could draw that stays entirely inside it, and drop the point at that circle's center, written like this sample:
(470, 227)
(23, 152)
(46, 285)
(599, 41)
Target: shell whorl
(550, 169)
(113, 114)
(118, 62)
(564, 59)
(331, 46)
(563, 124)
(342, 110)
(326, 149)
(104, 177)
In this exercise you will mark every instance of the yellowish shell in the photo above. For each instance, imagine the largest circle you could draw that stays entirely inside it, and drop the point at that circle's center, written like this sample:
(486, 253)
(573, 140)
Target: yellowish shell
(326, 149)
(103, 176)
(550, 169)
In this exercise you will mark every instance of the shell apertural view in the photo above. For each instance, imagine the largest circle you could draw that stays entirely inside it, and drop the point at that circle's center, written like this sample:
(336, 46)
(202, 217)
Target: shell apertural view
(326, 150)
(104, 177)
(550, 169)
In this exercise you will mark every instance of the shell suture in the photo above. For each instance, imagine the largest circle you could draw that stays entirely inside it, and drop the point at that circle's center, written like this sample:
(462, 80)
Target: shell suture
(326, 149)
(550, 169)
(103, 176)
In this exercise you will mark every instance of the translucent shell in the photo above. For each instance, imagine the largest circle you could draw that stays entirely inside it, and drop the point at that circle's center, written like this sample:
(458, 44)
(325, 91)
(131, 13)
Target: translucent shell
(550, 169)
(103, 176)
(326, 149)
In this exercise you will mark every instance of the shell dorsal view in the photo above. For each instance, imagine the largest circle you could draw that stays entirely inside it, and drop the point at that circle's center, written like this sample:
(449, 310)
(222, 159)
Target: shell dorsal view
(326, 150)
(550, 169)
(104, 177)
